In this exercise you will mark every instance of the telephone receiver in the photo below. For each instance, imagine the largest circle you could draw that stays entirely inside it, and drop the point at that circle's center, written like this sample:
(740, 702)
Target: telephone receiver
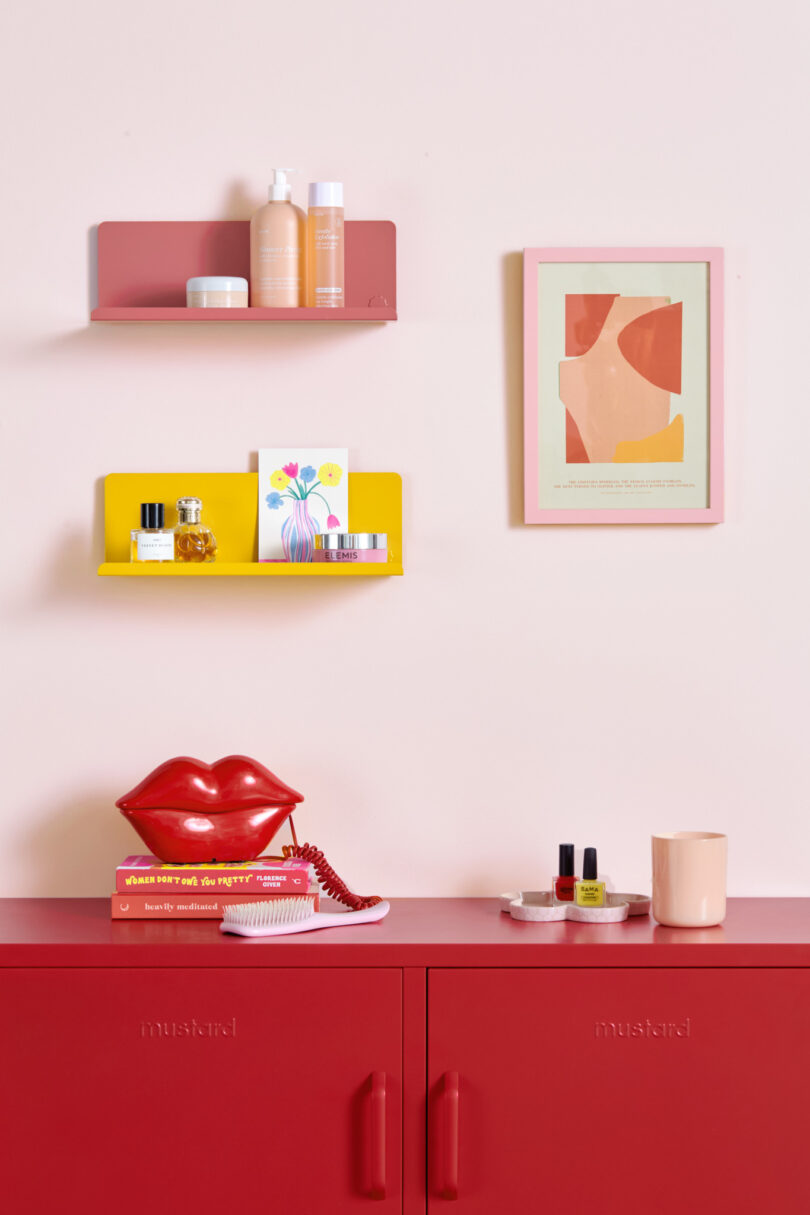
(330, 883)
(189, 812)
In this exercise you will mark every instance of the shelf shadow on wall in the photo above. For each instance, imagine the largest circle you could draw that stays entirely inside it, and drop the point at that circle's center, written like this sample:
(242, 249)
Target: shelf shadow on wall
(212, 344)
(207, 605)
(92, 268)
(512, 279)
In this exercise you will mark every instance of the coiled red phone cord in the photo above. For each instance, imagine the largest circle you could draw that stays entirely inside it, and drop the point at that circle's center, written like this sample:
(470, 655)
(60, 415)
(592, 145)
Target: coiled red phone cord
(333, 885)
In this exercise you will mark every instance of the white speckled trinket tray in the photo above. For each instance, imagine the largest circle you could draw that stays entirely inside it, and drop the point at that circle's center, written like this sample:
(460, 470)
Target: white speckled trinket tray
(538, 905)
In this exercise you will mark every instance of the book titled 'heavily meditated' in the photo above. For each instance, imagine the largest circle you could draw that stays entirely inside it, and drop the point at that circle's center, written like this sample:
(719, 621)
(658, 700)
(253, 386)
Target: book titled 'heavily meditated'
(139, 906)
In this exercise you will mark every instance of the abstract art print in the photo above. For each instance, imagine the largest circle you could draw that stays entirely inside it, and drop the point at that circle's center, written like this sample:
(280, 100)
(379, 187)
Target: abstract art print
(623, 385)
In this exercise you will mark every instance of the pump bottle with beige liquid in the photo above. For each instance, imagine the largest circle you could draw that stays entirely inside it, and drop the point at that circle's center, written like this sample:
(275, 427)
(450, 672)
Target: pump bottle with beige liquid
(277, 249)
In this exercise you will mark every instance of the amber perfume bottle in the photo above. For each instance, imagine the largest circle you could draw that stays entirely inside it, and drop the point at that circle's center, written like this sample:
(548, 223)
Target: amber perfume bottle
(151, 541)
(193, 541)
(590, 891)
(565, 879)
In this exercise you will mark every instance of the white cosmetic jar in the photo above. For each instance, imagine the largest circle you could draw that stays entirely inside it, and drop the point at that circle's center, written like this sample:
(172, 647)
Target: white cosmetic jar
(214, 291)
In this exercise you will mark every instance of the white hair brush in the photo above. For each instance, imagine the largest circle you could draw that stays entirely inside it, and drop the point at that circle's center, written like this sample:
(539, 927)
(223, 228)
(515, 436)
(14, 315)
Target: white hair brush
(276, 917)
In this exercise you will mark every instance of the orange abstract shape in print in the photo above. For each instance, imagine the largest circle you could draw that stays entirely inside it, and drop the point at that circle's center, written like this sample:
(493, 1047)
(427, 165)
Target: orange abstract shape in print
(664, 447)
(652, 345)
(584, 317)
(575, 452)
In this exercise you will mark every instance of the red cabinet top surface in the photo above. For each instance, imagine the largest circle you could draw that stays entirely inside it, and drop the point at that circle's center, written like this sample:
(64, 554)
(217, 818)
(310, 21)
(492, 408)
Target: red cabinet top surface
(417, 932)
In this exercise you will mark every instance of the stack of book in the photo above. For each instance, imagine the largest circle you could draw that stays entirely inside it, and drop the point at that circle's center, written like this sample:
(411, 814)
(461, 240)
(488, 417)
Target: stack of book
(146, 889)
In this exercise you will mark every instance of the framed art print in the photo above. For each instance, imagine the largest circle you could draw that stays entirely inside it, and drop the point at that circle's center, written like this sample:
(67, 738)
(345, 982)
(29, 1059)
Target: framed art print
(623, 385)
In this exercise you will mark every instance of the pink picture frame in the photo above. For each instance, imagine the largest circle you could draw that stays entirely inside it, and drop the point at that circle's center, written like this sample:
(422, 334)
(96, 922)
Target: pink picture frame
(661, 291)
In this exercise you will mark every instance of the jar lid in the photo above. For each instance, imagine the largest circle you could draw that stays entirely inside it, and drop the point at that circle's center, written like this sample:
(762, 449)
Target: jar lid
(213, 282)
(341, 541)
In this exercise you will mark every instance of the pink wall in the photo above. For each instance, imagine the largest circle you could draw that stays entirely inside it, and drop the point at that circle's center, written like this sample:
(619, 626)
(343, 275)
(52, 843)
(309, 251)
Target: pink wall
(519, 685)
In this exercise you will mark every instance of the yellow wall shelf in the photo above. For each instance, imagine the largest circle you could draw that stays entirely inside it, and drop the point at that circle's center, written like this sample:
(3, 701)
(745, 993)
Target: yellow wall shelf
(230, 507)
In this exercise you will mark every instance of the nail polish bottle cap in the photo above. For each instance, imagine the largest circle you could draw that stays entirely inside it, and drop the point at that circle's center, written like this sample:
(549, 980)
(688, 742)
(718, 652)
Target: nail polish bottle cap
(566, 868)
(151, 514)
(589, 865)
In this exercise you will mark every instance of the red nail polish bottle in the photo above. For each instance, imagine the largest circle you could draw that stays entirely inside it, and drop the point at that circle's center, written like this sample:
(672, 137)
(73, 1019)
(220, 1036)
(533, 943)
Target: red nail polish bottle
(564, 882)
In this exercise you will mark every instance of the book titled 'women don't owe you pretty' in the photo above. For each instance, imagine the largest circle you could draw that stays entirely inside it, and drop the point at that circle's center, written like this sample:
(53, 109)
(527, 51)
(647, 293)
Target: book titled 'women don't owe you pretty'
(146, 888)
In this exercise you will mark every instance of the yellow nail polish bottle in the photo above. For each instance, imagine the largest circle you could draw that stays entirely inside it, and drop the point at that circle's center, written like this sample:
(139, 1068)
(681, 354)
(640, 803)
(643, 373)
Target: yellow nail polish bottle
(589, 891)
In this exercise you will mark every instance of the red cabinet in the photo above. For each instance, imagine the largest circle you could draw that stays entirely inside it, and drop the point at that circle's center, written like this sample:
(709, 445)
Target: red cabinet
(200, 1091)
(445, 1059)
(637, 1089)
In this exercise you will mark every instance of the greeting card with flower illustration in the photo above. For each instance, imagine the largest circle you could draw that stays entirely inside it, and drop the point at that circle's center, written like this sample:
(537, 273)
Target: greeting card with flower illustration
(302, 491)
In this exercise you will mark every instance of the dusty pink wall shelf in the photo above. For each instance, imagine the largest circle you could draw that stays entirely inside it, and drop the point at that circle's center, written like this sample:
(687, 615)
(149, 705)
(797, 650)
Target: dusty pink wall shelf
(143, 267)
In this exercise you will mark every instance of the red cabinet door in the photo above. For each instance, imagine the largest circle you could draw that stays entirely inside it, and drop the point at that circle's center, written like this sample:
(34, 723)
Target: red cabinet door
(197, 1092)
(634, 1092)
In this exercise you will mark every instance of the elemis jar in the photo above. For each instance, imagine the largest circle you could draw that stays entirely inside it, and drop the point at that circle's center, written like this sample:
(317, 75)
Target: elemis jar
(351, 546)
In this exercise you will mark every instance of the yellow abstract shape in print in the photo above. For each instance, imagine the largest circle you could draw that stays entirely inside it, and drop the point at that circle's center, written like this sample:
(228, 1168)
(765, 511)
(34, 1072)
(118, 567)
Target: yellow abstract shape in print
(665, 446)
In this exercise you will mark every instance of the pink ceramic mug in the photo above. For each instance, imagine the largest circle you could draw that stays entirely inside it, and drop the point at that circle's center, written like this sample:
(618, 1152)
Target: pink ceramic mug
(689, 878)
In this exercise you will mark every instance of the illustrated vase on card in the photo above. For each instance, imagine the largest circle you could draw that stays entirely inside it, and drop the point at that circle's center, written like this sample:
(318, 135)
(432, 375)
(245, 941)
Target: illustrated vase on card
(298, 532)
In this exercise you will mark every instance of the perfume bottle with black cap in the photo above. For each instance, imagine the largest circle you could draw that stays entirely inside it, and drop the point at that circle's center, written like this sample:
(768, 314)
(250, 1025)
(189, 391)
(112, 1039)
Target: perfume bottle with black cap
(589, 891)
(151, 541)
(565, 879)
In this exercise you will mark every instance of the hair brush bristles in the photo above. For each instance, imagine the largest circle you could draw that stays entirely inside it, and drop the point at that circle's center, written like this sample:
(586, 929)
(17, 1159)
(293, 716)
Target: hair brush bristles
(282, 916)
(272, 911)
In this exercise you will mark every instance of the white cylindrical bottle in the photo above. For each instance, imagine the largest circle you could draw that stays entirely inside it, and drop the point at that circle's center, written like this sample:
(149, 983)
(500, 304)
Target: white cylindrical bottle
(277, 249)
(325, 245)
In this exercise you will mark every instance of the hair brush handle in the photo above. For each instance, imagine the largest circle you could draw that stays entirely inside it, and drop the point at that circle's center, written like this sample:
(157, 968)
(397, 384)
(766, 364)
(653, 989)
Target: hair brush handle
(342, 919)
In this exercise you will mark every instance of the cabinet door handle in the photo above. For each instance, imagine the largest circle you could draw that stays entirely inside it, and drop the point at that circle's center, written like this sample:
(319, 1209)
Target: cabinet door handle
(449, 1137)
(377, 1125)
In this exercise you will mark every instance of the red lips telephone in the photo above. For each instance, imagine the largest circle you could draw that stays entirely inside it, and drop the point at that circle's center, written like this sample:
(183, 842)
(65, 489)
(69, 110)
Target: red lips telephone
(190, 812)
